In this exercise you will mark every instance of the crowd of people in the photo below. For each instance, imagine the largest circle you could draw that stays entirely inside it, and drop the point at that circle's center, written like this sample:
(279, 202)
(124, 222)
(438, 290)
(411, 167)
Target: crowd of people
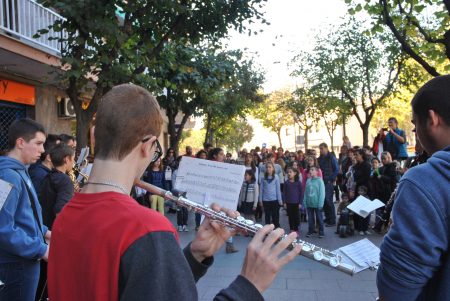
(100, 236)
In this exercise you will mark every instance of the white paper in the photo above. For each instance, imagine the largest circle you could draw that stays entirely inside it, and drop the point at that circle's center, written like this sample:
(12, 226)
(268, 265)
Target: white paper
(346, 259)
(222, 181)
(206, 203)
(363, 252)
(5, 190)
(363, 206)
(83, 155)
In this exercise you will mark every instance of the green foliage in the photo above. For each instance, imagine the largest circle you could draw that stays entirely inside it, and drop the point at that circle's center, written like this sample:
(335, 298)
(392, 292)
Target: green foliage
(365, 70)
(193, 138)
(272, 114)
(422, 27)
(234, 134)
(117, 42)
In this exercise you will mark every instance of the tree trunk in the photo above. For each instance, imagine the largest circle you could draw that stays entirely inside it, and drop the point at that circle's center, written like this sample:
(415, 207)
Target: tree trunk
(365, 128)
(208, 129)
(175, 136)
(279, 137)
(332, 136)
(306, 138)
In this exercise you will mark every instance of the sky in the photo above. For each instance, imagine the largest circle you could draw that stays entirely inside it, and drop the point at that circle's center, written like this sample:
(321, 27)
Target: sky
(295, 21)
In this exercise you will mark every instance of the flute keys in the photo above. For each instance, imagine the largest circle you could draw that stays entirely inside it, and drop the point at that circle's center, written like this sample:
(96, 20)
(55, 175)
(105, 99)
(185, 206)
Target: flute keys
(249, 222)
(240, 218)
(257, 226)
(318, 255)
(306, 248)
(334, 262)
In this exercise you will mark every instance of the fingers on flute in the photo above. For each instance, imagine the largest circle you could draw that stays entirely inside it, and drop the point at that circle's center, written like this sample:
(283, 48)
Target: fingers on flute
(261, 234)
(281, 262)
(231, 213)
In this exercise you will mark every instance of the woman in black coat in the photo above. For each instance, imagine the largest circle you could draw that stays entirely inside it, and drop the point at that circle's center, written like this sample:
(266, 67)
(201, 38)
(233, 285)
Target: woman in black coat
(362, 172)
(388, 177)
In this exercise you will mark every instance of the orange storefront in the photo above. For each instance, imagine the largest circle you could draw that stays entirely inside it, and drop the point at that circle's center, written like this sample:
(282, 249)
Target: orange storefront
(15, 98)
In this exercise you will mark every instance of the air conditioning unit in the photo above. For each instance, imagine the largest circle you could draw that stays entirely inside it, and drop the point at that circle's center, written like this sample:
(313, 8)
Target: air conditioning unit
(66, 109)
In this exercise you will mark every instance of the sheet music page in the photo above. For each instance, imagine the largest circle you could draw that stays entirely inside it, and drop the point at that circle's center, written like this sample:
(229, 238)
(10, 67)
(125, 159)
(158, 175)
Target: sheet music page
(222, 181)
(346, 259)
(83, 155)
(363, 252)
(358, 206)
(371, 206)
(5, 190)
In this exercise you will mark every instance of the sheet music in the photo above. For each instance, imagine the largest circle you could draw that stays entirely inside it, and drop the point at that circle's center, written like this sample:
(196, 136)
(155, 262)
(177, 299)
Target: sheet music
(346, 259)
(222, 181)
(83, 155)
(363, 206)
(5, 190)
(362, 252)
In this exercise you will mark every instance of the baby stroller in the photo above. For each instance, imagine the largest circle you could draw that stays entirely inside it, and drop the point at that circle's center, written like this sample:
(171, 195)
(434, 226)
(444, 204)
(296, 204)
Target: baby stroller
(344, 223)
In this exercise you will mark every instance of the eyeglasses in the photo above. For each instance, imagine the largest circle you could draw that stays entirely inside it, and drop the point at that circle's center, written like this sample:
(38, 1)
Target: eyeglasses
(158, 150)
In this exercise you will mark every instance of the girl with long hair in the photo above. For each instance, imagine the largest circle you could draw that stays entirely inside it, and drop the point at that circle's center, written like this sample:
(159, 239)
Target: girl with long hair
(293, 198)
(270, 194)
(248, 198)
(250, 164)
(310, 161)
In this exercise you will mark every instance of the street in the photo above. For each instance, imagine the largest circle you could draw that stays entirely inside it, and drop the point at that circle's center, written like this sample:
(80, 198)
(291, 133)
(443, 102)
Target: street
(302, 279)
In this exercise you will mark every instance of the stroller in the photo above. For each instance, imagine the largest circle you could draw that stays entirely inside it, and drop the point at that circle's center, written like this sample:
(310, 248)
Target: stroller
(344, 223)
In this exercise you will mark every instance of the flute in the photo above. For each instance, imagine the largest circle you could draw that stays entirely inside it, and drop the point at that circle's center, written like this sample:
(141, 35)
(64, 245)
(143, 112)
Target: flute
(310, 251)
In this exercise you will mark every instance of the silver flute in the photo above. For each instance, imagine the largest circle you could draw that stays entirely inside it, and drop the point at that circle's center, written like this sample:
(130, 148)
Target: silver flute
(310, 251)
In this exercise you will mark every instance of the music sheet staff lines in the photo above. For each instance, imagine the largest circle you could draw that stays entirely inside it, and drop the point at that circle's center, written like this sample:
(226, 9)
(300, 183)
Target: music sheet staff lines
(213, 196)
(211, 177)
(212, 186)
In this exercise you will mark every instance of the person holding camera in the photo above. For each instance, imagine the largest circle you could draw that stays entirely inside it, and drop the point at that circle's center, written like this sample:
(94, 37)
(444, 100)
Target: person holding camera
(395, 141)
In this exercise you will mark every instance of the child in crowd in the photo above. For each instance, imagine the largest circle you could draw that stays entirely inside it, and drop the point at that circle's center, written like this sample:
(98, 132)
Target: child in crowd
(313, 200)
(363, 223)
(57, 187)
(270, 195)
(156, 176)
(342, 206)
(293, 198)
(248, 198)
(182, 212)
(310, 161)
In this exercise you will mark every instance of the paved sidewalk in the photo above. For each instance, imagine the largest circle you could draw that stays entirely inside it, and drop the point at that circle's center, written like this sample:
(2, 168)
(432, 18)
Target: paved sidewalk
(302, 279)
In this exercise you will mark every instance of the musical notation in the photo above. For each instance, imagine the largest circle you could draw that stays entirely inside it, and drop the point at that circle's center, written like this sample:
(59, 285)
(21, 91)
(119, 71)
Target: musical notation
(213, 196)
(212, 186)
(211, 177)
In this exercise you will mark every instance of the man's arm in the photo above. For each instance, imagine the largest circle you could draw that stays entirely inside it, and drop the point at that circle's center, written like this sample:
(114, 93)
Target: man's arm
(401, 138)
(335, 165)
(14, 239)
(409, 256)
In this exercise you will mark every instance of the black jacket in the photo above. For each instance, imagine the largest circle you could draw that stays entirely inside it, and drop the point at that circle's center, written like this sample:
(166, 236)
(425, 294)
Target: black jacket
(388, 180)
(362, 176)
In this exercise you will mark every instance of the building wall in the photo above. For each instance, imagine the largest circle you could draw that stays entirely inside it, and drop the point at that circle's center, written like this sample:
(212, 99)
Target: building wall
(46, 110)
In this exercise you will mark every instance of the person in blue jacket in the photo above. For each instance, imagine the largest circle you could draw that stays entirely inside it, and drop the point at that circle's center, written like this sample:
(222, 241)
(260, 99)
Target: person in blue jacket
(415, 260)
(395, 141)
(22, 233)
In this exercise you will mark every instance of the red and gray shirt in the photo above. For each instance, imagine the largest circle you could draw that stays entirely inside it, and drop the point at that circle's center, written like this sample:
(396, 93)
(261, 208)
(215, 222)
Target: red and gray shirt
(105, 246)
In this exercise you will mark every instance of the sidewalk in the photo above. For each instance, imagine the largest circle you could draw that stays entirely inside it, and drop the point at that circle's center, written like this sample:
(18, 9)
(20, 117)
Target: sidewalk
(301, 279)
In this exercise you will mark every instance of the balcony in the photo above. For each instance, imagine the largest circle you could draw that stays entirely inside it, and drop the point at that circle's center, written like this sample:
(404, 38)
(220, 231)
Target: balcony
(21, 19)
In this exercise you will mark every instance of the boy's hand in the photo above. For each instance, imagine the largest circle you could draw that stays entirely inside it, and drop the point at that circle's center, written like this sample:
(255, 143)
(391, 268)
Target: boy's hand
(285, 206)
(299, 206)
(254, 208)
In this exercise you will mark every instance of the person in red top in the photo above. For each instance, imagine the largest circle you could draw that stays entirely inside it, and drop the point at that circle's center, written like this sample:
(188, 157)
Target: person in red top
(105, 246)
(189, 152)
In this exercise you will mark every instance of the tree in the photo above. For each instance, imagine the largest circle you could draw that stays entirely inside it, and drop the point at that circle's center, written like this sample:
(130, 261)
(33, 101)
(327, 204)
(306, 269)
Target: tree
(236, 100)
(192, 77)
(193, 138)
(421, 27)
(365, 69)
(110, 42)
(271, 114)
(234, 134)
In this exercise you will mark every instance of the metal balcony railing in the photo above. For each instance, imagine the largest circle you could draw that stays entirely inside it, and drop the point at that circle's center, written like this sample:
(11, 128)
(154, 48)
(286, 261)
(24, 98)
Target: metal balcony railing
(24, 18)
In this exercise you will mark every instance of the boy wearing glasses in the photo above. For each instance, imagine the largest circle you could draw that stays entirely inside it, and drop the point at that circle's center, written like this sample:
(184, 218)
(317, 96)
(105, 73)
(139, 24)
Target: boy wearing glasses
(106, 246)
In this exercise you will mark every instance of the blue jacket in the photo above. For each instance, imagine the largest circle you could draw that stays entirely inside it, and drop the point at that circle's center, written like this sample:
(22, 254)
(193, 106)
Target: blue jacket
(37, 173)
(415, 262)
(20, 237)
(401, 147)
(332, 174)
(270, 189)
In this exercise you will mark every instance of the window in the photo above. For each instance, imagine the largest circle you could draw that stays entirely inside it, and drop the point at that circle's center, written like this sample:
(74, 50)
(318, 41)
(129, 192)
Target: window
(317, 128)
(288, 131)
(310, 130)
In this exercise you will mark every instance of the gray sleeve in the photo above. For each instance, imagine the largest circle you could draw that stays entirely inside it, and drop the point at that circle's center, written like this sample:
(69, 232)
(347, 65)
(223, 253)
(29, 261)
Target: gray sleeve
(240, 290)
(155, 268)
